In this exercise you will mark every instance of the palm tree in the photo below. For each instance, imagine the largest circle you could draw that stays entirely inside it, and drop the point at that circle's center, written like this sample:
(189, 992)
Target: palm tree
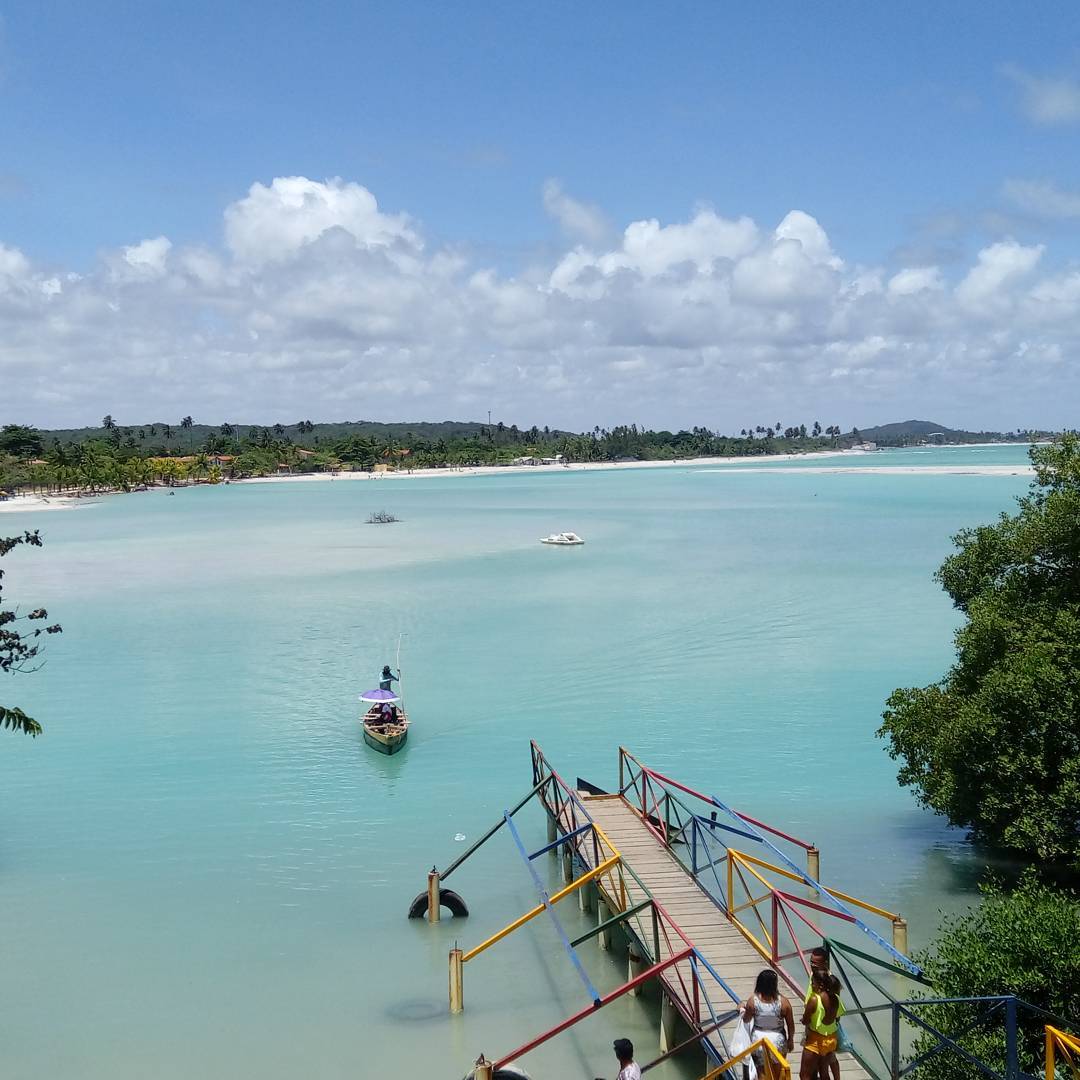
(108, 423)
(187, 423)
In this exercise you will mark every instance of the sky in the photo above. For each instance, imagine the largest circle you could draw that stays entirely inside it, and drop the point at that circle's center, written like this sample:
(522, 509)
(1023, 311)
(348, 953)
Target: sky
(717, 214)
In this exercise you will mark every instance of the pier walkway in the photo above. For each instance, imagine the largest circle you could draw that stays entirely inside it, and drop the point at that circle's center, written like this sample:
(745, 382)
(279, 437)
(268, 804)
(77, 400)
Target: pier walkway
(693, 910)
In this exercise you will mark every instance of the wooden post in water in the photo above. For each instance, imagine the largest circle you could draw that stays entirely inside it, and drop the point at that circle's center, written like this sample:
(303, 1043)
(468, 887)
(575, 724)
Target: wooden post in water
(899, 935)
(457, 998)
(567, 863)
(813, 863)
(584, 898)
(433, 904)
(552, 831)
(635, 967)
(603, 913)
(667, 1023)
(484, 1070)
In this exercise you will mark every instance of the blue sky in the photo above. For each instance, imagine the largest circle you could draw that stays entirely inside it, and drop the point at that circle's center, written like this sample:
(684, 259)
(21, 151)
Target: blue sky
(915, 136)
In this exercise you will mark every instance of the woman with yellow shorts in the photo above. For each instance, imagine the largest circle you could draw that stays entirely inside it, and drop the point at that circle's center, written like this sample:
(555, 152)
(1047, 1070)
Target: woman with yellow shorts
(821, 1020)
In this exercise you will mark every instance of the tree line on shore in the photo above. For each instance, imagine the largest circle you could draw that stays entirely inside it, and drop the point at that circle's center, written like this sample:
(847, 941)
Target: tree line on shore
(128, 458)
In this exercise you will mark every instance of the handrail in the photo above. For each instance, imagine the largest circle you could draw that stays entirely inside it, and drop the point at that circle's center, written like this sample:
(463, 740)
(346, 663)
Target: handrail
(775, 1065)
(1005, 1009)
(1068, 1046)
(624, 753)
(540, 908)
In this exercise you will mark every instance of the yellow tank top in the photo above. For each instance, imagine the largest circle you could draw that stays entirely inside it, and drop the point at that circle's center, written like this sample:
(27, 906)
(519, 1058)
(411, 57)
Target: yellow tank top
(817, 1021)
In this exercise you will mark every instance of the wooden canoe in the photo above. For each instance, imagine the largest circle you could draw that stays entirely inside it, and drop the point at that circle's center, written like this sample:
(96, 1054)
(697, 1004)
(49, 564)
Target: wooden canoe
(386, 738)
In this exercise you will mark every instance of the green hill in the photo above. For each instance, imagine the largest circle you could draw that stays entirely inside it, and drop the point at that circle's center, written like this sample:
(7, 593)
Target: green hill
(908, 432)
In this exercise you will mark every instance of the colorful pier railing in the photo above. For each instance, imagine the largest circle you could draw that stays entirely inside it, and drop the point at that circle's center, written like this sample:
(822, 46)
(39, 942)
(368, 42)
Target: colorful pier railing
(745, 874)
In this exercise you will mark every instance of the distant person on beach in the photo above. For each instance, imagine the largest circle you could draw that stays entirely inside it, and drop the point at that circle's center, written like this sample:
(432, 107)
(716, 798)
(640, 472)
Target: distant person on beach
(821, 1018)
(387, 678)
(769, 1014)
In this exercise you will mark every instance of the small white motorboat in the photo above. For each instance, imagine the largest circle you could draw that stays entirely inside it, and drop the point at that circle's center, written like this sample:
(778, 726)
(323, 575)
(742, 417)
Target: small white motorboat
(563, 539)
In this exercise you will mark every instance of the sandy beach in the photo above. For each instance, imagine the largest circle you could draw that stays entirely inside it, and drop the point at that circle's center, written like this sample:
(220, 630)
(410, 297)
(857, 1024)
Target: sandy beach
(896, 470)
(43, 502)
(771, 463)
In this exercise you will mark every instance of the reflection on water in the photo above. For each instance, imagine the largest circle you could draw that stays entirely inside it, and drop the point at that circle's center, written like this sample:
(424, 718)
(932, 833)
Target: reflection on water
(213, 870)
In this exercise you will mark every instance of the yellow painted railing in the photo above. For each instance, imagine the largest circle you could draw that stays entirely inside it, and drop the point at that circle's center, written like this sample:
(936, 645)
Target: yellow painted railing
(573, 887)
(1062, 1052)
(766, 911)
(774, 1064)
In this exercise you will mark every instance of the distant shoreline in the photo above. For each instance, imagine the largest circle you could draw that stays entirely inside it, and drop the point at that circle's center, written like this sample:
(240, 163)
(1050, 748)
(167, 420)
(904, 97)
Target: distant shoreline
(739, 464)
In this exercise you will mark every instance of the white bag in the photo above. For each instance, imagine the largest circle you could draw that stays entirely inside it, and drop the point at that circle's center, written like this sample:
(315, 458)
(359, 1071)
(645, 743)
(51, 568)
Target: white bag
(742, 1039)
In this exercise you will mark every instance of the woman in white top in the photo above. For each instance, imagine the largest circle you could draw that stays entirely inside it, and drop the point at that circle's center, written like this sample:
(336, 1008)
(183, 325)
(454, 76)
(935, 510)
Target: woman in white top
(769, 1014)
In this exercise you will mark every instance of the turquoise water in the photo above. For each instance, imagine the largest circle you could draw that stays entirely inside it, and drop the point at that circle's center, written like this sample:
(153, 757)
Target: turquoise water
(203, 870)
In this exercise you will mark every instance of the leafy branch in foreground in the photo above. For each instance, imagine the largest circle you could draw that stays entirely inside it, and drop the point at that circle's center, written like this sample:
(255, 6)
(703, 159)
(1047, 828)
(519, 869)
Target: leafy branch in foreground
(995, 745)
(20, 646)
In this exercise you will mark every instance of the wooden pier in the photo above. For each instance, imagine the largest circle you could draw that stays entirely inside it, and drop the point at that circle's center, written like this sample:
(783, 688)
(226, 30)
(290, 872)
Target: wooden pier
(713, 934)
(707, 897)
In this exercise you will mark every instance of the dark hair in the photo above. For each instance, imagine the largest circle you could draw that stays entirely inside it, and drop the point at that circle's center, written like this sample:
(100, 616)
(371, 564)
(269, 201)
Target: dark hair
(820, 951)
(822, 979)
(386, 669)
(624, 1049)
(835, 985)
(767, 985)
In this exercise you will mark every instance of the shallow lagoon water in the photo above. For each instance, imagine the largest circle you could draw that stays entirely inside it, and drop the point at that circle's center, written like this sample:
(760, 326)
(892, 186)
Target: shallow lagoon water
(206, 872)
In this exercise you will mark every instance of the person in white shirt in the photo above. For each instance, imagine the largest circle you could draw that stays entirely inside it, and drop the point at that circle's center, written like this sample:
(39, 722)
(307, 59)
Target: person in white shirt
(628, 1067)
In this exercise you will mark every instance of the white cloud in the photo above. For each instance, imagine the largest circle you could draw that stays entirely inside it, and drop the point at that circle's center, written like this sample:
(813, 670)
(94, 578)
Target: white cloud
(318, 303)
(273, 223)
(578, 220)
(1043, 198)
(148, 258)
(1047, 100)
(999, 266)
(915, 279)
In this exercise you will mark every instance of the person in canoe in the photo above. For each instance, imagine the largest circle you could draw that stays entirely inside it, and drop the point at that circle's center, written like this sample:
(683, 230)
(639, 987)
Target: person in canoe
(387, 678)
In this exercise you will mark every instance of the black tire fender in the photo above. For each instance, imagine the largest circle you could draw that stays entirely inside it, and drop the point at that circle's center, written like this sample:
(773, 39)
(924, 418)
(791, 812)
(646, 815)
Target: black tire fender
(447, 899)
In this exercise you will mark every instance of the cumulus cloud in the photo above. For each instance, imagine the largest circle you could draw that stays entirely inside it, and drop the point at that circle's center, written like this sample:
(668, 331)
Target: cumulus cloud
(274, 222)
(1048, 100)
(578, 220)
(1043, 198)
(317, 302)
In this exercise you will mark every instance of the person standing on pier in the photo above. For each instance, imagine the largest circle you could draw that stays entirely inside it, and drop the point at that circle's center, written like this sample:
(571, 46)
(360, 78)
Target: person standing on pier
(770, 1016)
(821, 1018)
(628, 1067)
(819, 962)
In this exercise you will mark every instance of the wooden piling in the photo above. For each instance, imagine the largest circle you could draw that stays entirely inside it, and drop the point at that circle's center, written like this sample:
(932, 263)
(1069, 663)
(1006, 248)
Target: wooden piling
(635, 966)
(552, 831)
(668, 1016)
(567, 863)
(484, 1069)
(899, 935)
(603, 913)
(813, 863)
(457, 999)
(584, 898)
(433, 904)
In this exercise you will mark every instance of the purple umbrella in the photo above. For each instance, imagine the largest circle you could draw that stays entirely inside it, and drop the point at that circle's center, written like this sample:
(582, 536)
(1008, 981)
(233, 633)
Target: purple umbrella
(380, 697)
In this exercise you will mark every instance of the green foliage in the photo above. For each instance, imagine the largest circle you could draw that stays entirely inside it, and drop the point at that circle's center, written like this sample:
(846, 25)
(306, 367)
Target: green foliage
(1024, 942)
(18, 646)
(995, 746)
(20, 441)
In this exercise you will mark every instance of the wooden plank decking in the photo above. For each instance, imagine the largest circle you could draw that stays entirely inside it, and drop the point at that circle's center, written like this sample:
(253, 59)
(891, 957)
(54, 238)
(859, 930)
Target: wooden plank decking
(703, 923)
